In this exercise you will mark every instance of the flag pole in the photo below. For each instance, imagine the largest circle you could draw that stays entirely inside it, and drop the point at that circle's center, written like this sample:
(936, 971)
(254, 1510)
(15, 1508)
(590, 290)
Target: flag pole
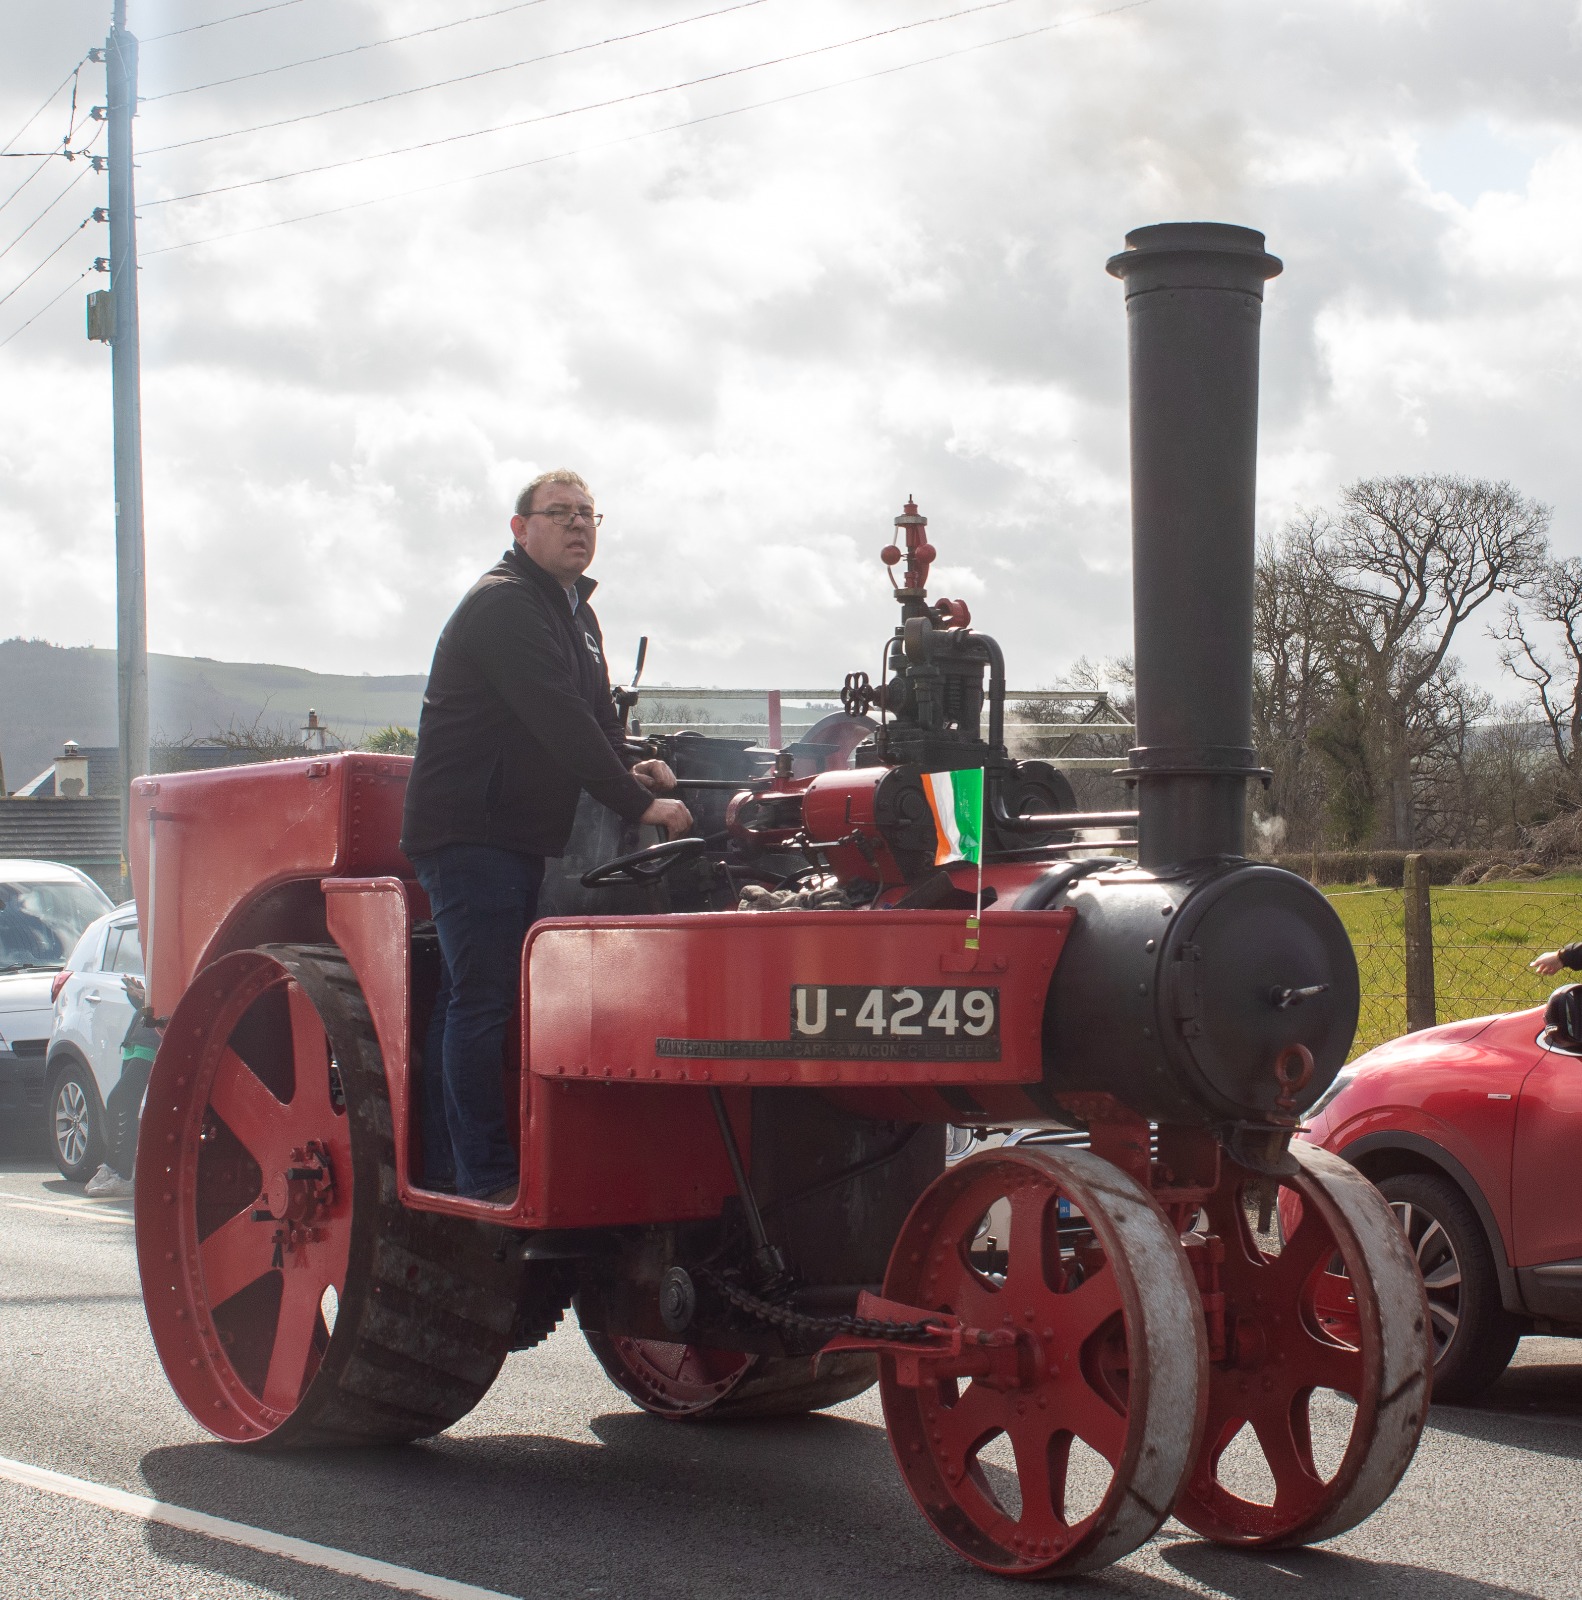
(975, 919)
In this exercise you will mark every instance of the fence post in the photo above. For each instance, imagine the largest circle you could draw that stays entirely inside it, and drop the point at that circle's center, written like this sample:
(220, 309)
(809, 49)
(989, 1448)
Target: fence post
(1418, 916)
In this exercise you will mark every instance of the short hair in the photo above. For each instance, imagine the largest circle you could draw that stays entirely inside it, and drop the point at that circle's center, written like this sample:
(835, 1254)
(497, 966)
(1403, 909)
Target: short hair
(524, 501)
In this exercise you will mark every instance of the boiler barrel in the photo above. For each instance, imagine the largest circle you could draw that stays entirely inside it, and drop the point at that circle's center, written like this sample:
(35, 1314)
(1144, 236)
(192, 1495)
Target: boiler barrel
(1194, 298)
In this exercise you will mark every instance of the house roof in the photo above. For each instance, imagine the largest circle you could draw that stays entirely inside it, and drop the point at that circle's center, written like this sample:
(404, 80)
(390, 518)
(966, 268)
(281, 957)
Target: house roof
(82, 833)
(104, 774)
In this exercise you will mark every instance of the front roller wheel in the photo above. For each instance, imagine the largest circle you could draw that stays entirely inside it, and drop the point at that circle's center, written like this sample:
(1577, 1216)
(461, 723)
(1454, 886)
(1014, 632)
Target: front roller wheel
(1327, 1304)
(1076, 1463)
(292, 1300)
(690, 1383)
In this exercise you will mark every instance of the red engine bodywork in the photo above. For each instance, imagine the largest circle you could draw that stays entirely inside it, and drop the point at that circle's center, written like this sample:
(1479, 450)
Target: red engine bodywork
(618, 1013)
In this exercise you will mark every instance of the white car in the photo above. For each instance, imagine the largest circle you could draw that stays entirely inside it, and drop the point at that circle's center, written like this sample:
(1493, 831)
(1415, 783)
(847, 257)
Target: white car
(92, 1013)
(44, 908)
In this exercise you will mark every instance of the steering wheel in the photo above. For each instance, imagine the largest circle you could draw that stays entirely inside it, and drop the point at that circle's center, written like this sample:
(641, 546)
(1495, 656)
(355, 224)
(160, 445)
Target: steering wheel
(644, 866)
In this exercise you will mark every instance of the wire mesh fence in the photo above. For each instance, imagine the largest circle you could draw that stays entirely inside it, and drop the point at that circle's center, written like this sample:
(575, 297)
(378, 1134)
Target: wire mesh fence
(1483, 937)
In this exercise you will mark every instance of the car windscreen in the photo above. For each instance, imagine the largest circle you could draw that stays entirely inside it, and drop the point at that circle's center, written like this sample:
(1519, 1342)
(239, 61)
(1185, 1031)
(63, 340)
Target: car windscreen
(40, 922)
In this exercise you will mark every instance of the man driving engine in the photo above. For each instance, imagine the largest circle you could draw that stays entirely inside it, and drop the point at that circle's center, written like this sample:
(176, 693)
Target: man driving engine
(517, 721)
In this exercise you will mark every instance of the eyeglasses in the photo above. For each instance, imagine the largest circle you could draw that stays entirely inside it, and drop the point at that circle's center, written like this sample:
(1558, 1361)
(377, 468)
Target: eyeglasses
(564, 516)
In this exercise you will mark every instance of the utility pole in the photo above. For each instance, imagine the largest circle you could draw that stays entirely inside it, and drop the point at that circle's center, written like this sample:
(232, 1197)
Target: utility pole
(131, 612)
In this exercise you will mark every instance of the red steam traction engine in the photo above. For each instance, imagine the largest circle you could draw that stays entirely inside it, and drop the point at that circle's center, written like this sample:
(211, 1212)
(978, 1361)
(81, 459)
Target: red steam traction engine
(732, 1121)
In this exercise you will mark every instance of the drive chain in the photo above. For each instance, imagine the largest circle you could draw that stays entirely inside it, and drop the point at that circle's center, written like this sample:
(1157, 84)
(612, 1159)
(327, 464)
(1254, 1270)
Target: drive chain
(799, 1322)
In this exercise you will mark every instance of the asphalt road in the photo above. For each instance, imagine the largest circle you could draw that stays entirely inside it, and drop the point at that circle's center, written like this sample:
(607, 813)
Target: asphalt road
(556, 1486)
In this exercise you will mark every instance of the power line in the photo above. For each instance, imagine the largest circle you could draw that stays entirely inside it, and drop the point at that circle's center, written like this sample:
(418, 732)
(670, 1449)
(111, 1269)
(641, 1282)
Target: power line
(65, 144)
(27, 180)
(49, 155)
(598, 105)
(466, 77)
(44, 213)
(52, 155)
(47, 259)
(331, 55)
(214, 22)
(45, 307)
(43, 108)
(648, 133)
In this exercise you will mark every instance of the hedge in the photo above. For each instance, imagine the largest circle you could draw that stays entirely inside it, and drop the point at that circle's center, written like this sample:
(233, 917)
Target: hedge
(1387, 868)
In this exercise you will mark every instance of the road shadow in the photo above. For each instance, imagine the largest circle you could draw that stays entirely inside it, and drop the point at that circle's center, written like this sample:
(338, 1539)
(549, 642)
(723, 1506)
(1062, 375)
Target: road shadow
(1320, 1575)
(784, 1511)
(1536, 1405)
(24, 1147)
(798, 1508)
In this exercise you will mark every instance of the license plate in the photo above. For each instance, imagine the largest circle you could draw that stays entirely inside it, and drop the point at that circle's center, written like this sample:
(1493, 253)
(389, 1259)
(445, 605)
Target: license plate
(926, 1023)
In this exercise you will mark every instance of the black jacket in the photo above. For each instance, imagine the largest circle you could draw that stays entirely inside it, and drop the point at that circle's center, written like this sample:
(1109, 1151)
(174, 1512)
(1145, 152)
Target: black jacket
(517, 720)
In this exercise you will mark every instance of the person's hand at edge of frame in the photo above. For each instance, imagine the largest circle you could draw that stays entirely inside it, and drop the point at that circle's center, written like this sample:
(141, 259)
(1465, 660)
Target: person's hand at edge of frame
(1548, 964)
(670, 815)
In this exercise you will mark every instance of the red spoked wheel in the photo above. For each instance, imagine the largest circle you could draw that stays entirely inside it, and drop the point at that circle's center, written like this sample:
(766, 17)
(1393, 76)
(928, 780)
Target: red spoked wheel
(1322, 1309)
(693, 1383)
(1076, 1462)
(291, 1299)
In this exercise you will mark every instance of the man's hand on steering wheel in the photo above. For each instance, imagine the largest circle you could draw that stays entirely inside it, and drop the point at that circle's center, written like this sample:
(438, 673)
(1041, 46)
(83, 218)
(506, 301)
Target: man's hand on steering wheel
(648, 866)
(670, 815)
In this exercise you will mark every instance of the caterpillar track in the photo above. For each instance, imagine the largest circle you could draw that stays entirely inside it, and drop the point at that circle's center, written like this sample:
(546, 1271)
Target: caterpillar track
(425, 1307)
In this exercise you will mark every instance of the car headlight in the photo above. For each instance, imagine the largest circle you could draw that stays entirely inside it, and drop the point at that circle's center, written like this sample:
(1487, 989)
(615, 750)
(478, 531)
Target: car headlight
(1343, 1080)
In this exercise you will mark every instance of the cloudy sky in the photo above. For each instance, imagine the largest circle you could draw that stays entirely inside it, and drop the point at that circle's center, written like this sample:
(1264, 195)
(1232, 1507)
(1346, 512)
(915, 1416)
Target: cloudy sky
(758, 271)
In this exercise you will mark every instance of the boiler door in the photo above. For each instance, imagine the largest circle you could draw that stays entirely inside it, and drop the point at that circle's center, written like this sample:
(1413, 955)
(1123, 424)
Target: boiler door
(1257, 962)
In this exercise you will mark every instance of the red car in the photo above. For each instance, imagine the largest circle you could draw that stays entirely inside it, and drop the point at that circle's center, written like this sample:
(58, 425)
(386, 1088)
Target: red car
(1473, 1131)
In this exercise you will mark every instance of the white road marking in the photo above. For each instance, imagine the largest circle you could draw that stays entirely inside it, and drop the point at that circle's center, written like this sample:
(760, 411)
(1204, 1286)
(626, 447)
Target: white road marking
(68, 1208)
(406, 1579)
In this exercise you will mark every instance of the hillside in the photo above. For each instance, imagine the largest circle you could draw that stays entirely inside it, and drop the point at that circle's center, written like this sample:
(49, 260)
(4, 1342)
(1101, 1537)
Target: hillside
(49, 694)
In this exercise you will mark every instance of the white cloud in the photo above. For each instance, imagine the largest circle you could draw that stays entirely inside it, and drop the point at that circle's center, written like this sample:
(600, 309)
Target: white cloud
(758, 335)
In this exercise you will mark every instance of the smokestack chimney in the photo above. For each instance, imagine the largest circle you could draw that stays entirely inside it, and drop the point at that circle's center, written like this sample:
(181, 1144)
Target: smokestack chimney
(1194, 299)
(1219, 994)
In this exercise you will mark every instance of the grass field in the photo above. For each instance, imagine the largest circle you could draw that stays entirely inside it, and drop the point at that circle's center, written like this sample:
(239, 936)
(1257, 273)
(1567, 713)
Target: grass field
(1484, 936)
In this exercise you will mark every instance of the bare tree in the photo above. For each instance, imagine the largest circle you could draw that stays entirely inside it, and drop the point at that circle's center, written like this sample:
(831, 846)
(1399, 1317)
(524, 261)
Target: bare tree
(1555, 600)
(1294, 684)
(1109, 696)
(1402, 567)
(1446, 743)
(1508, 781)
(1344, 740)
(258, 740)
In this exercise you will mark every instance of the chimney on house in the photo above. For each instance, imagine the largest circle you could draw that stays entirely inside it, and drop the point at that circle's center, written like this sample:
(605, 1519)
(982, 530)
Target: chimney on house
(71, 773)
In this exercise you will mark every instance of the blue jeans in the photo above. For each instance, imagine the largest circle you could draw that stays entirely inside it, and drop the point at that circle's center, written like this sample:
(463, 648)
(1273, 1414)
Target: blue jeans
(483, 899)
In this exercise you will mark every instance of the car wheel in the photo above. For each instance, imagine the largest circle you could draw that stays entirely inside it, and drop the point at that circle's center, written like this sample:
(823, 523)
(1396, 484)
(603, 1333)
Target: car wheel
(76, 1124)
(1474, 1335)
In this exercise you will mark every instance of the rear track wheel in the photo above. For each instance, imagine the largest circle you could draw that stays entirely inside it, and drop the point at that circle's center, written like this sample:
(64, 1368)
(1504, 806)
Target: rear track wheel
(292, 1299)
(690, 1383)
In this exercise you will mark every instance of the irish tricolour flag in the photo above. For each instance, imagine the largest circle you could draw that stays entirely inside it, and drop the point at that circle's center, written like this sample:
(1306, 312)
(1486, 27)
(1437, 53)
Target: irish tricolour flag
(956, 799)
